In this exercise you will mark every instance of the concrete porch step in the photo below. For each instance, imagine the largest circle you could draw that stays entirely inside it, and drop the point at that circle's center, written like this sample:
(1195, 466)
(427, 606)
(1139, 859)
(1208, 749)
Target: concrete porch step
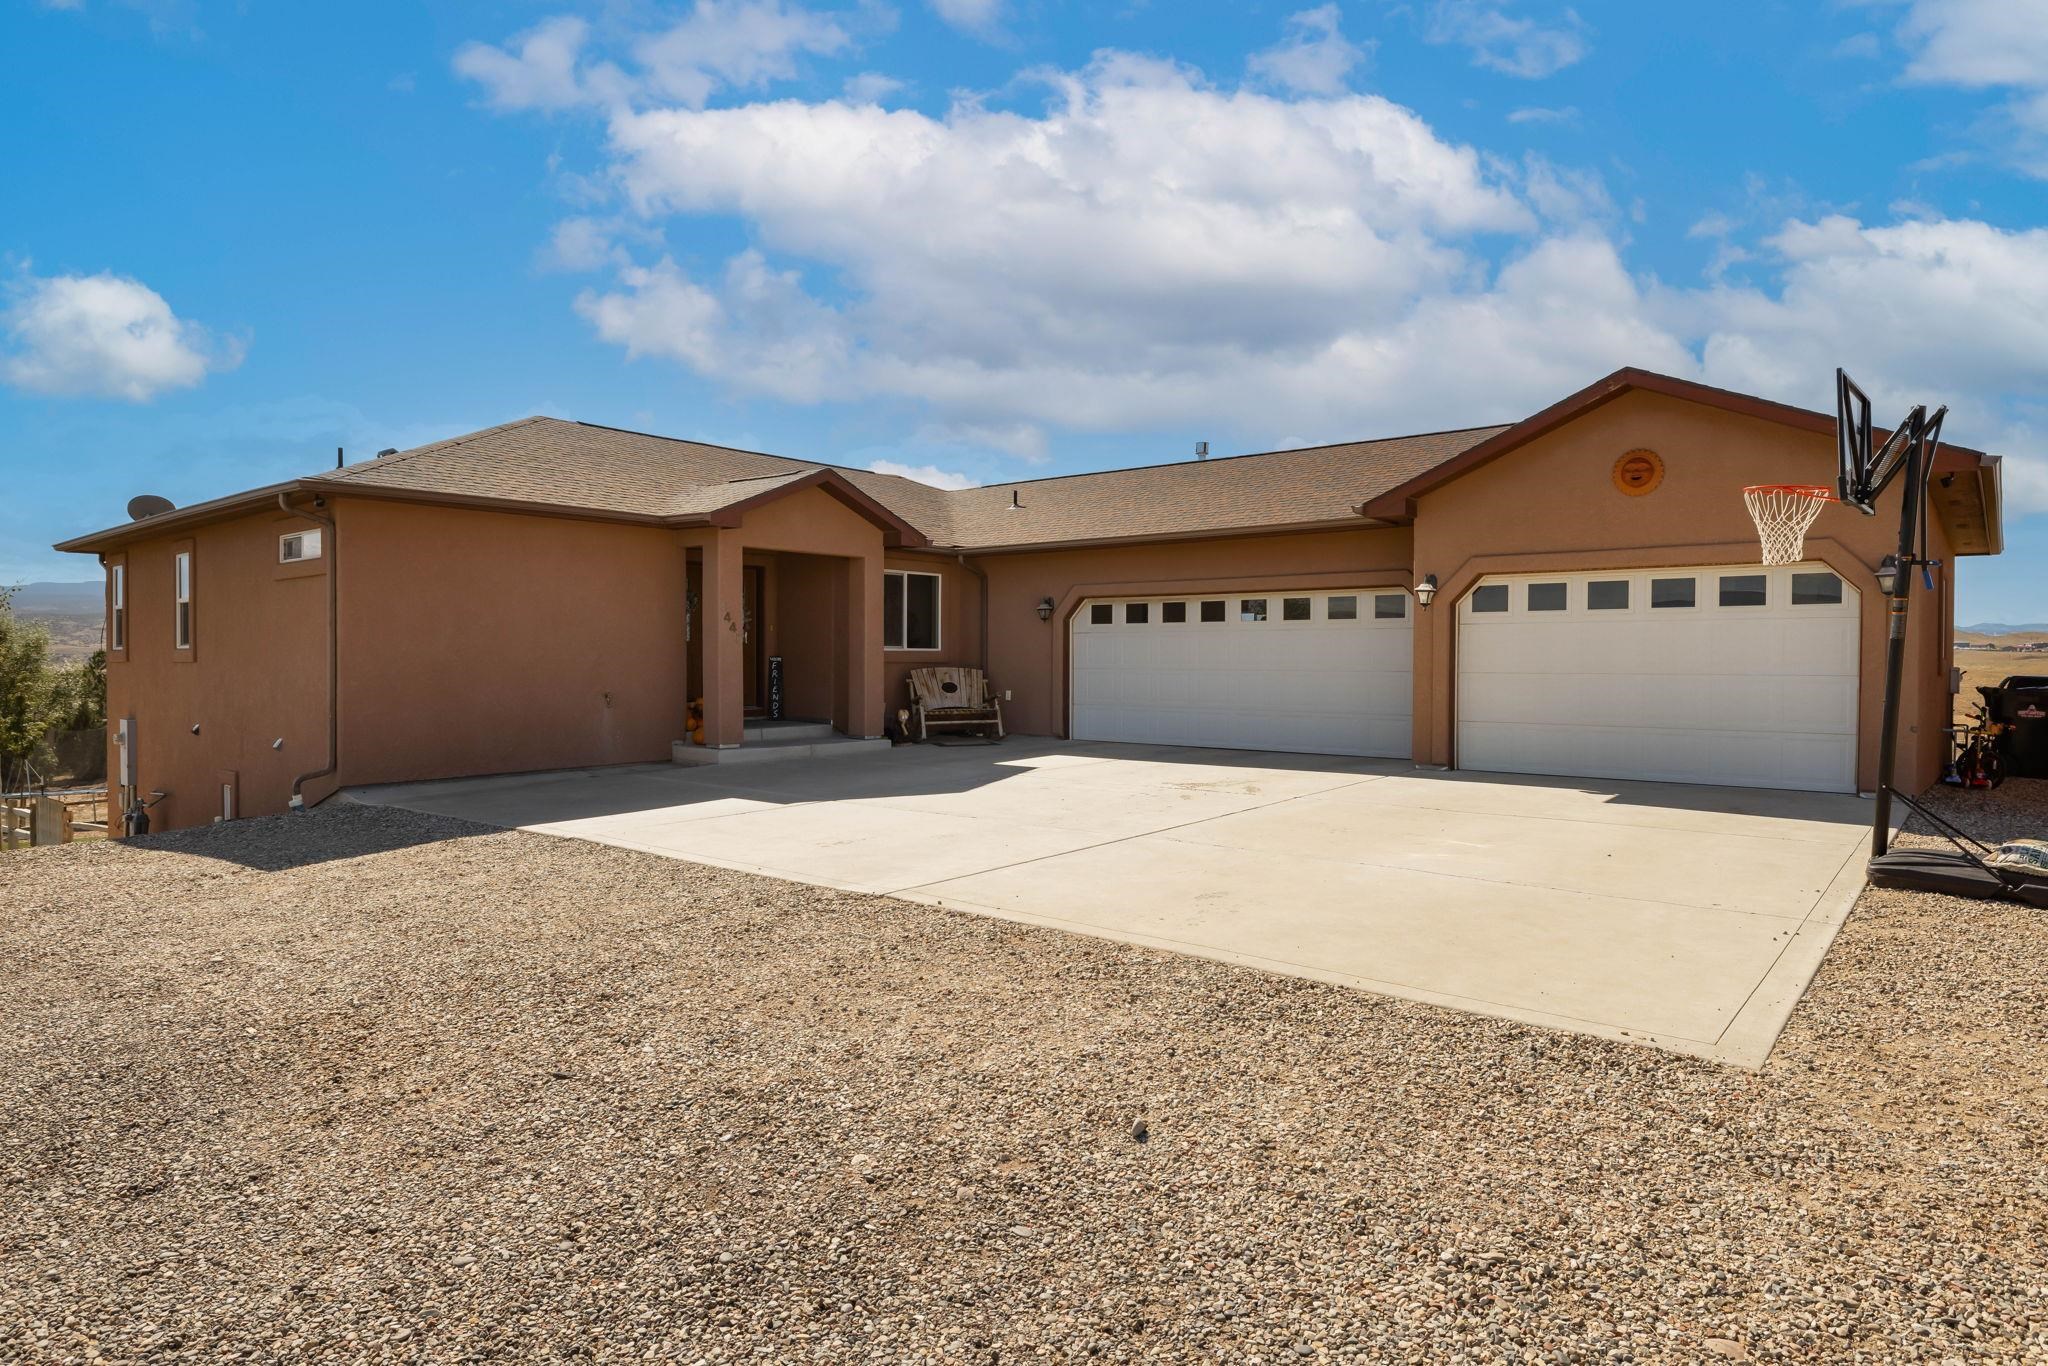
(831, 746)
(789, 728)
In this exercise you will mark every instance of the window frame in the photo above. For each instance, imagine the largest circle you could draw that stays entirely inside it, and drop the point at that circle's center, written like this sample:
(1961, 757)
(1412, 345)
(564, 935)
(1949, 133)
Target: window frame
(1507, 600)
(903, 577)
(184, 601)
(1840, 598)
(117, 607)
(1564, 595)
(285, 538)
(1650, 603)
(1721, 582)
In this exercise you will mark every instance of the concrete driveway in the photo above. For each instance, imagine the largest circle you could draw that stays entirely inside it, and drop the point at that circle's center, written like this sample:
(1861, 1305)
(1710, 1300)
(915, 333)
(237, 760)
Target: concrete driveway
(1691, 918)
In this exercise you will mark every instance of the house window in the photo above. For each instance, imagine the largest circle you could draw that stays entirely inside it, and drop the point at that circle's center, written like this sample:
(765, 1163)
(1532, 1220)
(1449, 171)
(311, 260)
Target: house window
(910, 610)
(1251, 609)
(294, 546)
(1101, 614)
(1671, 593)
(1607, 595)
(1810, 590)
(1491, 598)
(1742, 590)
(117, 617)
(1546, 597)
(181, 577)
(1294, 609)
(1213, 610)
(1343, 608)
(1389, 606)
(1173, 613)
(1137, 613)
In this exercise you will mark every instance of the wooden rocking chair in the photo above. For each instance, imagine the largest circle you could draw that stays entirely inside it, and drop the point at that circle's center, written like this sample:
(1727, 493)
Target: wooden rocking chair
(945, 697)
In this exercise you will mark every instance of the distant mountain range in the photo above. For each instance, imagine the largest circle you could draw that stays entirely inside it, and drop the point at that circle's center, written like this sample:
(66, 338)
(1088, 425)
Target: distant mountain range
(2000, 628)
(64, 599)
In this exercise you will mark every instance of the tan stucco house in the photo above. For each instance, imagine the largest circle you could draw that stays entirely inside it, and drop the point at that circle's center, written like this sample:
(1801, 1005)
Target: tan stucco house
(551, 594)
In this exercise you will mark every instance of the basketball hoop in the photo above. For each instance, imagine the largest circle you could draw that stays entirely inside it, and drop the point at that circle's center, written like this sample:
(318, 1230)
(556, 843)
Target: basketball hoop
(1783, 512)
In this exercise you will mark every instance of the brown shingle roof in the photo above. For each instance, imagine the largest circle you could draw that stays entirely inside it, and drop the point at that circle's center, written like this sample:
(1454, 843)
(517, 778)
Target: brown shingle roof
(574, 464)
(603, 471)
(1277, 488)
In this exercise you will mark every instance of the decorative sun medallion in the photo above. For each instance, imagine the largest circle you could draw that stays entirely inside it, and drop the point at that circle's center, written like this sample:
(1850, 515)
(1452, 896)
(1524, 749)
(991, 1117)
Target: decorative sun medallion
(1638, 472)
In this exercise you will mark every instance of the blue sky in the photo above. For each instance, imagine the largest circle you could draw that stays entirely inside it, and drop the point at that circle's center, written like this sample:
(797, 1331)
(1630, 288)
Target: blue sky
(988, 239)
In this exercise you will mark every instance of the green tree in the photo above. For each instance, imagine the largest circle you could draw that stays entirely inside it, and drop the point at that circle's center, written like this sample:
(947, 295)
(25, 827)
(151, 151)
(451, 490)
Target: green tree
(33, 698)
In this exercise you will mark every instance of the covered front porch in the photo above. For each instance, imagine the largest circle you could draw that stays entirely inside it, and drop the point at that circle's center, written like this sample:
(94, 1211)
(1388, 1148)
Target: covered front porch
(783, 622)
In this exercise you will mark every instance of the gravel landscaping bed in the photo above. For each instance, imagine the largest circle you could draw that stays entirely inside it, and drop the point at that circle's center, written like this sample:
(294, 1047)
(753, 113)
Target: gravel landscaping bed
(372, 1085)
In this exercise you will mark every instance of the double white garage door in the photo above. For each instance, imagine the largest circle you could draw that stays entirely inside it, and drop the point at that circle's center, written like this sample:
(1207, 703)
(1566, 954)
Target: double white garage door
(1321, 671)
(1716, 674)
(1724, 674)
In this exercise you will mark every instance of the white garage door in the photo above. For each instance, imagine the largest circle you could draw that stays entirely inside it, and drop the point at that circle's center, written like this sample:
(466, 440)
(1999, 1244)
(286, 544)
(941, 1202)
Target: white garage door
(1735, 675)
(1321, 671)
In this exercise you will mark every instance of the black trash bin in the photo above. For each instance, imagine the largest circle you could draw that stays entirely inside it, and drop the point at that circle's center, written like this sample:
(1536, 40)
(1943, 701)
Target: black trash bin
(2020, 704)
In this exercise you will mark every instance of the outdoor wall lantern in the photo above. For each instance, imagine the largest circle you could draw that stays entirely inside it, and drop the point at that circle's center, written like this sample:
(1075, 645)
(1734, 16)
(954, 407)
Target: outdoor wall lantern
(1425, 590)
(1045, 609)
(1888, 576)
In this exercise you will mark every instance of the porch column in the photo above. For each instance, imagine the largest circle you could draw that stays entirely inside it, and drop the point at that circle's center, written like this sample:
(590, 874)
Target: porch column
(723, 616)
(865, 704)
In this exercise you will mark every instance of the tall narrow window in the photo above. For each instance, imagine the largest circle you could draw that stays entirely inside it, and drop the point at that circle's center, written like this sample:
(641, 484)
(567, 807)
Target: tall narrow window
(910, 610)
(182, 583)
(117, 611)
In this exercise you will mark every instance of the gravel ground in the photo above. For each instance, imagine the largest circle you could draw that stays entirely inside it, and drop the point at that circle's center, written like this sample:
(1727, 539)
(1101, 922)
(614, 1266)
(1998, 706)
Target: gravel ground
(370, 1085)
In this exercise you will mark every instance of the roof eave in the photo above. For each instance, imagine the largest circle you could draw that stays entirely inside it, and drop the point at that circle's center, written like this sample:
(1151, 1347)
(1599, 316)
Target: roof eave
(213, 510)
(1398, 503)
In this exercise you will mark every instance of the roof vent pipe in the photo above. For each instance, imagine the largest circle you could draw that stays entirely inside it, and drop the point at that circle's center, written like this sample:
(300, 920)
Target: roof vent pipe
(1201, 450)
(1015, 506)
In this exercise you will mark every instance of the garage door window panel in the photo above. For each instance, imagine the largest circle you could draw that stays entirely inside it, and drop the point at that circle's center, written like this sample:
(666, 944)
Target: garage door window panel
(1173, 613)
(1251, 609)
(1547, 597)
(1492, 597)
(1673, 594)
(1744, 590)
(1341, 608)
(1294, 609)
(1607, 595)
(1816, 590)
(1390, 607)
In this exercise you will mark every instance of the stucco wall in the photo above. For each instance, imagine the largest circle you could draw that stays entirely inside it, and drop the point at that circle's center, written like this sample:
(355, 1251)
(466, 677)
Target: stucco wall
(1029, 657)
(256, 673)
(1552, 505)
(484, 642)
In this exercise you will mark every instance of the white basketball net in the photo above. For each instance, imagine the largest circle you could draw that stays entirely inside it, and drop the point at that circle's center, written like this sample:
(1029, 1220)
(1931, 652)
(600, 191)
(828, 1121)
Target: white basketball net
(1783, 512)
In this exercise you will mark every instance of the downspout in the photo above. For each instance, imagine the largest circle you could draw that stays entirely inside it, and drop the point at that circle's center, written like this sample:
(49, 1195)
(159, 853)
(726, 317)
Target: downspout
(333, 551)
(981, 574)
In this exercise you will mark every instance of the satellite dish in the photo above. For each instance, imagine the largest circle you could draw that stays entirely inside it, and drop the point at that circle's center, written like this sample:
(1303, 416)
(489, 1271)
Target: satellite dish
(148, 505)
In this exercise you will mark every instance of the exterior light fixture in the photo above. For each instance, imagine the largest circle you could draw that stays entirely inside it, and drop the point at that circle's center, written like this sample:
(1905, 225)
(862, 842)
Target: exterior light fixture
(1425, 590)
(1045, 609)
(1888, 576)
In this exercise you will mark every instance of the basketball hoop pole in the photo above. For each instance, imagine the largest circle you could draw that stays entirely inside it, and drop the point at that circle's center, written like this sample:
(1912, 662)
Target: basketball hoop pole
(1916, 471)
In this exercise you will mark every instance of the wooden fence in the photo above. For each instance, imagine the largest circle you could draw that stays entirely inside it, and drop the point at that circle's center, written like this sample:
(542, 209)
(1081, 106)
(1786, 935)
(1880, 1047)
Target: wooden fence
(31, 818)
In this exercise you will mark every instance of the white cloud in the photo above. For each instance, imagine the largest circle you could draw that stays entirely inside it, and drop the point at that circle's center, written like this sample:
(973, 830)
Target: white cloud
(1150, 250)
(980, 18)
(104, 335)
(1977, 43)
(871, 87)
(744, 44)
(1988, 45)
(579, 244)
(539, 73)
(1314, 57)
(1507, 42)
(923, 474)
(1536, 114)
(719, 44)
